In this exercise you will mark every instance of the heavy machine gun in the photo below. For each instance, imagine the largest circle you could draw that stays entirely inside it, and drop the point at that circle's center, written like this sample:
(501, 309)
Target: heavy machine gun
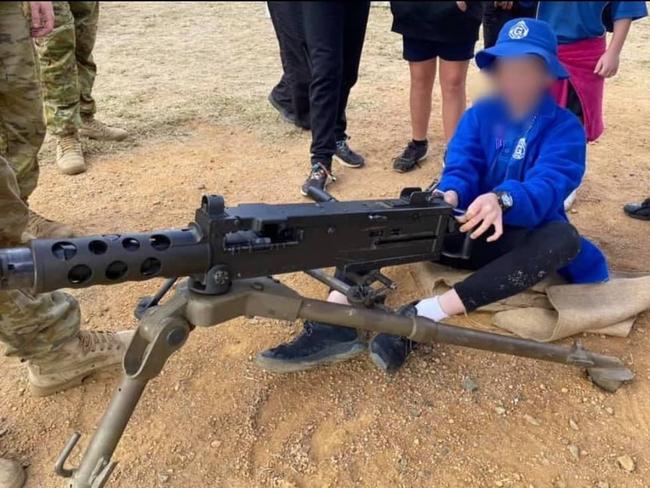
(229, 255)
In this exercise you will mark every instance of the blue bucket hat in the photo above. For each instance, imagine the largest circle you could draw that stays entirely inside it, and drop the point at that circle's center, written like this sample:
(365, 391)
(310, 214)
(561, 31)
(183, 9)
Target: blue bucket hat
(520, 37)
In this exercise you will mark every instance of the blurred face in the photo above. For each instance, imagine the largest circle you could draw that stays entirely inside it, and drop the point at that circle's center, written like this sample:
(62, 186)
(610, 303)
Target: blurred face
(521, 82)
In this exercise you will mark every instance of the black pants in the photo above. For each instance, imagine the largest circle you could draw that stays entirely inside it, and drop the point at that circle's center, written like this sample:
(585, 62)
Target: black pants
(334, 32)
(519, 259)
(494, 18)
(292, 92)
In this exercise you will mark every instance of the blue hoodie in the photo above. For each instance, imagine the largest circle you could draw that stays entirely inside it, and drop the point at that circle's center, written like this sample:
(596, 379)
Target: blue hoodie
(539, 162)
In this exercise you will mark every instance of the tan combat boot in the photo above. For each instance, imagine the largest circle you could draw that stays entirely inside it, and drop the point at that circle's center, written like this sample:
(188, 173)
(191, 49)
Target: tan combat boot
(12, 474)
(89, 353)
(69, 157)
(38, 227)
(95, 129)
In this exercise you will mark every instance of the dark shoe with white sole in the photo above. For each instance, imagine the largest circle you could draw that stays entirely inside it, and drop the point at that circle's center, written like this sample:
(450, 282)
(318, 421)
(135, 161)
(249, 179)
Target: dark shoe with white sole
(639, 211)
(389, 352)
(411, 157)
(319, 177)
(317, 345)
(346, 156)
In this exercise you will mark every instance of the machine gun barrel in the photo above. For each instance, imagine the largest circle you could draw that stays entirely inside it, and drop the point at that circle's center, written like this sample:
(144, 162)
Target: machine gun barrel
(246, 241)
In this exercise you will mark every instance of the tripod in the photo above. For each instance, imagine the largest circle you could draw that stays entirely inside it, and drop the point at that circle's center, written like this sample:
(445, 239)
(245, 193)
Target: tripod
(164, 329)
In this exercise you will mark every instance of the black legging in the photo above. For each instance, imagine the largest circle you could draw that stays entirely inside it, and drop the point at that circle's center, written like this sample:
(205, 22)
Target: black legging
(519, 259)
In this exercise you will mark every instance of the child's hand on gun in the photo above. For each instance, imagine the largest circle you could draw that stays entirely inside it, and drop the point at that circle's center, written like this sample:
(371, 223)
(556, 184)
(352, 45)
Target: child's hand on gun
(483, 213)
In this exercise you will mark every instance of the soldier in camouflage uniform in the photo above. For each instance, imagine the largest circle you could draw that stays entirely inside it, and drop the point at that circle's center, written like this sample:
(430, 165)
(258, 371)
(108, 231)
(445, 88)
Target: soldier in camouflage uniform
(21, 117)
(67, 76)
(42, 330)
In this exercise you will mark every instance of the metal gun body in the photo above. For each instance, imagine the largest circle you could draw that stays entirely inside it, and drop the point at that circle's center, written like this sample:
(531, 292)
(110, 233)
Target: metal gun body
(247, 241)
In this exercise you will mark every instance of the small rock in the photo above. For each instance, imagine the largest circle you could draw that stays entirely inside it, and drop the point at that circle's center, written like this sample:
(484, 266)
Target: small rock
(498, 483)
(215, 444)
(626, 462)
(609, 410)
(573, 424)
(469, 384)
(532, 420)
(574, 451)
(164, 478)
(500, 410)
(564, 390)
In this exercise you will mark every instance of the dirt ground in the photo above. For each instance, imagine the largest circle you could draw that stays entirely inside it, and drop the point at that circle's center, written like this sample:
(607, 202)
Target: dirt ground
(190, 83)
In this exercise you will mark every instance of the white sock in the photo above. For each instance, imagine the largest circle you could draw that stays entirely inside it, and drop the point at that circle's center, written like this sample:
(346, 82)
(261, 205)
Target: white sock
(431, 309)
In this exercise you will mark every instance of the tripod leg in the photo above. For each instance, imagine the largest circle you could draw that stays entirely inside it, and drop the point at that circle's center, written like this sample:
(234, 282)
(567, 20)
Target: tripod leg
(161, 332)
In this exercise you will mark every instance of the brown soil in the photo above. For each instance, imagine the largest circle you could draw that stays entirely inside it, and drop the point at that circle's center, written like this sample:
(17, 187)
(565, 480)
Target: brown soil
(189, 81)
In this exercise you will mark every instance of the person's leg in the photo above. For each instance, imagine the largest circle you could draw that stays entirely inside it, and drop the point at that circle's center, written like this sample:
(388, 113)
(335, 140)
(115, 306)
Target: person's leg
(423, 75)
(43, 329)
(21, 113)
(59, 74)
(453, 75)
(280, 96)
(518, 260)
(323, 26)
(354, 32)
(291, 94)
(493, 20)
(61, 92)
(423, 61)
(86, 17)
(323, 23)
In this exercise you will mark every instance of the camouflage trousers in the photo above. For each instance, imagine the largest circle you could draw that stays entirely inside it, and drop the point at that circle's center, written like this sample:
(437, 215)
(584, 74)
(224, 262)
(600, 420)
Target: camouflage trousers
(21, 112)
(67, 67)
(31, 326)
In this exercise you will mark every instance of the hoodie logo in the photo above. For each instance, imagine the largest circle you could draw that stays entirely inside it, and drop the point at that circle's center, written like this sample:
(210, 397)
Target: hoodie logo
(518, 31)
(520, 150)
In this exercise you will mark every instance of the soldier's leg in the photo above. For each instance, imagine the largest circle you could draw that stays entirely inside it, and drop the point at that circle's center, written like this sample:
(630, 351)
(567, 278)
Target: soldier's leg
(43, 329)
(85, 15)
(59, 76)
(61, 91)
(21, 112)
(21, 117)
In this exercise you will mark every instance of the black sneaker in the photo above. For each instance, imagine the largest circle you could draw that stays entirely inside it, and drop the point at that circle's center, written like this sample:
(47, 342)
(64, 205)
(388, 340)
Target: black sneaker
(389, 352)
(316, 345)
(346, 156)
(411, 157)
(639, 211)
(319, 178)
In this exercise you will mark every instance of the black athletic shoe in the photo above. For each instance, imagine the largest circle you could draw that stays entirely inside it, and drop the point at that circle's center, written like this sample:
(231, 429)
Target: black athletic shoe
(286, 114)
(639, 211)
(389, 352)
(316, 345)
(346, 156)
(319, 178)
(411, 157)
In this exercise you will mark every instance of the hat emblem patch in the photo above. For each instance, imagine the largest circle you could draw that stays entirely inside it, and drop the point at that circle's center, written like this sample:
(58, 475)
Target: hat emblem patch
(518, 31)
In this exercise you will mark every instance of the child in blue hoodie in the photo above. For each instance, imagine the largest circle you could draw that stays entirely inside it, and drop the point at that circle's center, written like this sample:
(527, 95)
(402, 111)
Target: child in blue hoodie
(513, 160)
